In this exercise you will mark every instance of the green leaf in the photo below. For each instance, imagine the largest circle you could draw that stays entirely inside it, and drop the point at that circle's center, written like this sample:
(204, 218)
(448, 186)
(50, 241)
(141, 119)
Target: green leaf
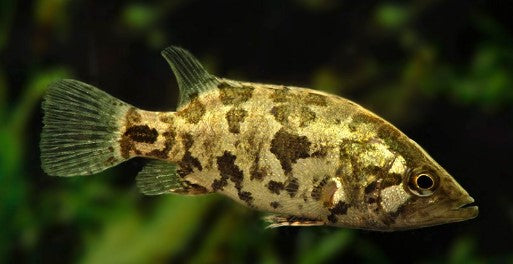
(391, 16)
(320, 251)
(162, 235)
(32, 95)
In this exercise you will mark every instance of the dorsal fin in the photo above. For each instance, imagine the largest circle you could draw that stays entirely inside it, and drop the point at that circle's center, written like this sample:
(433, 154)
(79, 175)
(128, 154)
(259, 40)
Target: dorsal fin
(192, 78)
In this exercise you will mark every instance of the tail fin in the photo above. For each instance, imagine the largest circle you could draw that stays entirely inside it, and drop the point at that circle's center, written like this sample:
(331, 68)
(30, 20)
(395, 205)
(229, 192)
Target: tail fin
(81, 129)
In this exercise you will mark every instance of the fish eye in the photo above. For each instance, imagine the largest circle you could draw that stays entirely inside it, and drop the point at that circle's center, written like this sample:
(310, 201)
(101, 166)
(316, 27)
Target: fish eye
(422, 184)
(424, 181)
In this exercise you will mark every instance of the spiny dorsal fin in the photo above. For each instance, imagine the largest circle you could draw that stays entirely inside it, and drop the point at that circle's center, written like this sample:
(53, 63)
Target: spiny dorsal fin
(192, 78)
(159, 177)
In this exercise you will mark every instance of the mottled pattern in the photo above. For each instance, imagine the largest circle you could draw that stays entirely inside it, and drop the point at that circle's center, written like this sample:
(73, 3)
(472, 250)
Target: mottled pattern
(309, 157)
(228, 170)
(231, 95)
(234, 117)
(142, 134)
(317, 190)
(188, 162)
(315, 158)
(288, 148)
(292, 187)
(281, 95)
(132, 116)
(315, 99)
(275, 187)
(256, 172)
(275, 204)
(134, 133)
(166, 118)
(193, 112)
(286, 113)
(169, 142)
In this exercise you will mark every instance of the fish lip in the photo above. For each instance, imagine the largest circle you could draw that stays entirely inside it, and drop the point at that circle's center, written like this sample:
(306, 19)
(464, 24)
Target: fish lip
(464, 210)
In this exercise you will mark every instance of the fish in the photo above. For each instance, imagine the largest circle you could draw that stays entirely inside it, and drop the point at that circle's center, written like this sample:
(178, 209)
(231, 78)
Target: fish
(305, 157)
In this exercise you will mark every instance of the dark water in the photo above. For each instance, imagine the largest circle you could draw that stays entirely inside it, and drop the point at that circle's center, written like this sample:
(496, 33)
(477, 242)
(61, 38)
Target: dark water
(442, 71)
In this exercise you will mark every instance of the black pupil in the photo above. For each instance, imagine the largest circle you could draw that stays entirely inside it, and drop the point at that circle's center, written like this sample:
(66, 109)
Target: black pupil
(424, 181)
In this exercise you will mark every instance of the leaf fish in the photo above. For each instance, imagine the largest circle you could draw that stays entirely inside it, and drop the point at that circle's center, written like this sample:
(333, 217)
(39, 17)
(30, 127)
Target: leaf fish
(306, 157)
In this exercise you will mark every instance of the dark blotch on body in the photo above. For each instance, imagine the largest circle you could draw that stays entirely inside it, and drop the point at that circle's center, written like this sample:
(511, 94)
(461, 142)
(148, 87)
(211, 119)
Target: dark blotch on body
(125, 146)
(126, 143)
(371, 187)
(166, 118)
(390, 135)
(219, 184)
(187, 141)
(332, 218)
(321, 153)
(283, 112)
(227, 168)
(373, 170)
(169, 142)
(234, 95)
(399, 143)
(234, 117)
(256, 172)
(133, 134)
(391, 179)
(193, 111)
(340, 208)
(142, 134)
(281, 95)
(275, 187)
(246, 197)
(317, 190)
(275, 204)
(315, 99)
(132, 117)
(292, 187)
(288, 148)
(372, 195)
(188, 162)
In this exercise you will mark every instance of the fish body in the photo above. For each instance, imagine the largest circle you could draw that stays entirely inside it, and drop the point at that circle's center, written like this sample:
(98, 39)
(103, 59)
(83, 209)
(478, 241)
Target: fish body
(307, 157)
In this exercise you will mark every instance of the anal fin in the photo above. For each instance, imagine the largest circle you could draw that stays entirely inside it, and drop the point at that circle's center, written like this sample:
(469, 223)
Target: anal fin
(160, 177)
(287, 220)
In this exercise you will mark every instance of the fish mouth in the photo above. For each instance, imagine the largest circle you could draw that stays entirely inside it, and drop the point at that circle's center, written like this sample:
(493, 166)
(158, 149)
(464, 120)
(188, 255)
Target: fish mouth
(455, 211)
(464, 210)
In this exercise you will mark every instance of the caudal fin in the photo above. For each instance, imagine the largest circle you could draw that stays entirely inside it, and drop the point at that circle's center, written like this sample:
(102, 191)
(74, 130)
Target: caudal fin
(81, 129)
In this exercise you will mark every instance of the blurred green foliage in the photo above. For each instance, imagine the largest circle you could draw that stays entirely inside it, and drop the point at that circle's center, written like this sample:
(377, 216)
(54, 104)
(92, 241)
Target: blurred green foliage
(390, 57)
(391, 16)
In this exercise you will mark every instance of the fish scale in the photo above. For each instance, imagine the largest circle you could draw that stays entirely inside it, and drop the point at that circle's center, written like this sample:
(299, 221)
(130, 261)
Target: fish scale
(307, 157)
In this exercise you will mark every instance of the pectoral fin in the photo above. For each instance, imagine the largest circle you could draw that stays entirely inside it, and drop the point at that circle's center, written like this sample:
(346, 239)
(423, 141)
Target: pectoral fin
(287, 220)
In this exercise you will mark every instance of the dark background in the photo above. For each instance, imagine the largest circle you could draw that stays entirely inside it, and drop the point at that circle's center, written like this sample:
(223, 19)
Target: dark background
(442, 71)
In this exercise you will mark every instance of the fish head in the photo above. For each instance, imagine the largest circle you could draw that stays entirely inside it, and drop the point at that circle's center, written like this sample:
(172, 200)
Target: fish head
(430, 195)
